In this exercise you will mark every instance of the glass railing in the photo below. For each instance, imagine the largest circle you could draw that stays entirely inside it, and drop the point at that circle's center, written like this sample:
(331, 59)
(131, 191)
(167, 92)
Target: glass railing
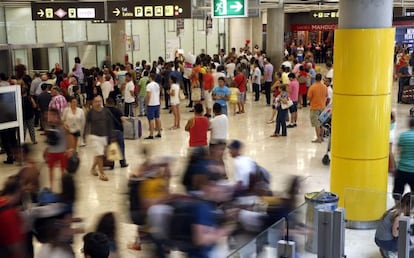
(300, 227)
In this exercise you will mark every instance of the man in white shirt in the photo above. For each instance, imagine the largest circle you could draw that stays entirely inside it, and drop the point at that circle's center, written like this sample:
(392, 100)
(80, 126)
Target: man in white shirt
(230, 68)
(152, 102)
(243, 166)
(256, 78)
(218, 126)
(330, 72)
(106, 87)
(217, 74)
(129, 95)
(287, 63)
(328, 84)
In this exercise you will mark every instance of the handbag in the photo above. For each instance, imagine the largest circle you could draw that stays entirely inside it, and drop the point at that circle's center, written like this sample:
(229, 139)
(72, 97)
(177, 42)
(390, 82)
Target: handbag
(181, 95)
(196, 94)
(286, 105)
(113, 152)
(73, 163)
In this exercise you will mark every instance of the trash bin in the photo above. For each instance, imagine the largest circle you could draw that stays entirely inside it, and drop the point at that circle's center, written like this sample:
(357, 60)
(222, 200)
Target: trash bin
(317, 201)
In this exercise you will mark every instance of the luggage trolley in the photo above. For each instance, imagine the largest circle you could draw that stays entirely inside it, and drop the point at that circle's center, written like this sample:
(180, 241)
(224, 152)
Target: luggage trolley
(326, 121)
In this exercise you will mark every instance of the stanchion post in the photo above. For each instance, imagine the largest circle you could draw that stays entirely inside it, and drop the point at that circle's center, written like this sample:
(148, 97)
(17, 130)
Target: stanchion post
(286, 249)
(325, 227)
(338, 238)
(404, 237)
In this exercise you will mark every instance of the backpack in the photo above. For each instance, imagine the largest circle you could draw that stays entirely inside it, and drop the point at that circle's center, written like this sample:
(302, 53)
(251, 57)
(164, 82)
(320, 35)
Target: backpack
(136, 212)
(45, 227)
(180, 231)
(260, 182)
(52, 136)
(302, 79)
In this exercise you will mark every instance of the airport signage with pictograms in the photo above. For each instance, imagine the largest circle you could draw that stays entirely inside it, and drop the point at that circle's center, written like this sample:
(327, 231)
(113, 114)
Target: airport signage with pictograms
(334, 14)
(144, 9)
(68, 11)
(229, 8)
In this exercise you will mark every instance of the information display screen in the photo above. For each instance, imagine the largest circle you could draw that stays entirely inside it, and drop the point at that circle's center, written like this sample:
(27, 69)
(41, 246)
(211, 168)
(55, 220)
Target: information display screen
(8, 111)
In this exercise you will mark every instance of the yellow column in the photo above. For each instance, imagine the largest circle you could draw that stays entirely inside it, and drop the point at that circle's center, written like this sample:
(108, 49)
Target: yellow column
(361, 120)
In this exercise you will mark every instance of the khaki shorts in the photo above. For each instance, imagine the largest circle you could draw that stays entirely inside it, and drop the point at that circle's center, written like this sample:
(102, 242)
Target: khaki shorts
(314, 117)
(208, 99)
(98, 144)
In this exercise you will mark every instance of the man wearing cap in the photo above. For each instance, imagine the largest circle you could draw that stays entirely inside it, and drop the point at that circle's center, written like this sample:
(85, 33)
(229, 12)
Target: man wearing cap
(243, 165)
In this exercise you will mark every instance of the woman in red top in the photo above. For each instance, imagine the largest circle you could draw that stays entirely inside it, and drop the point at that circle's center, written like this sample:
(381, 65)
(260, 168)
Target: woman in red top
(12, 236)
(302, 78)
(197, 127)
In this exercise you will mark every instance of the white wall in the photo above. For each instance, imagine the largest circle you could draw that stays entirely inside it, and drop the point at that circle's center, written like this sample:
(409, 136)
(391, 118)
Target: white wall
(155, 34)
(20, 27)
(97, 31)
(3, 38)
(49, 31)
(87, 55)
(74, 31)
(157, 39)
(55, 56)
(140, 31)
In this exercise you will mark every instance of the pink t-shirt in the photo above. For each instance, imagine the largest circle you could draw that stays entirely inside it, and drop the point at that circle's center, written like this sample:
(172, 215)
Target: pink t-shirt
(294, 90)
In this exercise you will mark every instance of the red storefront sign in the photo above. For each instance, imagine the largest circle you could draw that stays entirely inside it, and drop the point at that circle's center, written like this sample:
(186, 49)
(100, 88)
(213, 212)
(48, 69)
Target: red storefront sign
(314, 27)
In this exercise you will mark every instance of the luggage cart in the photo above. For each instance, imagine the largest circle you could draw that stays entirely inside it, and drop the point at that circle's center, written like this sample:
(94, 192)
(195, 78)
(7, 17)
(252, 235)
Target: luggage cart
(326, 122)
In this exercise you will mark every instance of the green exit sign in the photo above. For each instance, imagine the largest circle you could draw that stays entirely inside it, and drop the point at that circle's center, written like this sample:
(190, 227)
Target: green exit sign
(229, 8)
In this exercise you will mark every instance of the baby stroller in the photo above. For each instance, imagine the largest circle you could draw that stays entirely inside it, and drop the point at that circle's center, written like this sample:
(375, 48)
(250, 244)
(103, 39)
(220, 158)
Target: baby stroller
(326, 121)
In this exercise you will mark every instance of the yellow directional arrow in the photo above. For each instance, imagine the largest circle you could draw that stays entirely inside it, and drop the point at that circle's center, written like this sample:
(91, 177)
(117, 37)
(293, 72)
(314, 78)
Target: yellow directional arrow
(117, 12)
(41, 13)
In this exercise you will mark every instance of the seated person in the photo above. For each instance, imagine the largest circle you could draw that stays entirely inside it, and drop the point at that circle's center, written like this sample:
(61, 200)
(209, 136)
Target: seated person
(386, 235)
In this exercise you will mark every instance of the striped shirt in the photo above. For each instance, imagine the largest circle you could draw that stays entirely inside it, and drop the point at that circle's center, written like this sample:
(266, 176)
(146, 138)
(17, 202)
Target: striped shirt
(406, 145)
(59, 102)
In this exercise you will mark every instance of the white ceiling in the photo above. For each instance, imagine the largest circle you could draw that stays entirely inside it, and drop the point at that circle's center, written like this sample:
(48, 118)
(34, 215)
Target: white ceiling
(289, 5)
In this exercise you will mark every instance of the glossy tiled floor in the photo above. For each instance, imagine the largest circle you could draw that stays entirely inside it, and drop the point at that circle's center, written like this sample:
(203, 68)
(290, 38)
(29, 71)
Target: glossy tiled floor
(283, 156)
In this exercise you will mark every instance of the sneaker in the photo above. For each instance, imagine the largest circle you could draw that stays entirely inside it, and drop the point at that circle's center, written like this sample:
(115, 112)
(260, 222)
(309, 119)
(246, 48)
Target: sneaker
(149, 137)
(8, 161)
(290, 126)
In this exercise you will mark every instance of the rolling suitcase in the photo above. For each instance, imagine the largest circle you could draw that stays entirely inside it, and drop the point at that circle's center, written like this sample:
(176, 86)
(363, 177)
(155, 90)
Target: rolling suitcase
(132, 128)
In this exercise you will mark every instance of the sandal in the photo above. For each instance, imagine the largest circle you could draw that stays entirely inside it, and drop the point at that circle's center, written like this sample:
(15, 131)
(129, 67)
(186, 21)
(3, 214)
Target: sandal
(103, 177)
(270, 122)
(134, 246)
(94, 173)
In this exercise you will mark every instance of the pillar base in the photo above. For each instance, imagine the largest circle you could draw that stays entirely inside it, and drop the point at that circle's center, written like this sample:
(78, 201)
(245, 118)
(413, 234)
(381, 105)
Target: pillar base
(352, 224)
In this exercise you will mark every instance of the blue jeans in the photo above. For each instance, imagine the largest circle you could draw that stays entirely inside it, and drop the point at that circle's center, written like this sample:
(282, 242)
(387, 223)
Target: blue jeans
(129, 109)
(224, 109)
(141, 102)
(256, 90)
(119, 135)
(281, 120)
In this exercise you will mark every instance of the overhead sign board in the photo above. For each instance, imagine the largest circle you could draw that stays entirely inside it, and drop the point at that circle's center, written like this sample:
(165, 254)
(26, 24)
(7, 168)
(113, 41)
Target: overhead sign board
(68, 11)
(314, 27)
(325, 14)
(229, 8)
(145, 9)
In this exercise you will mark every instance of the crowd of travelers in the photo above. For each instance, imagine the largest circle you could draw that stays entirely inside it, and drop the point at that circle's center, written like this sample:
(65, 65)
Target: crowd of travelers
(91, 106)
